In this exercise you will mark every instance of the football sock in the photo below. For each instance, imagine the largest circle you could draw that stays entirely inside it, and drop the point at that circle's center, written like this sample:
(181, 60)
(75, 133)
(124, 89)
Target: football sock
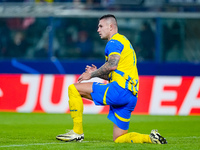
(133, 137)
(76, 108)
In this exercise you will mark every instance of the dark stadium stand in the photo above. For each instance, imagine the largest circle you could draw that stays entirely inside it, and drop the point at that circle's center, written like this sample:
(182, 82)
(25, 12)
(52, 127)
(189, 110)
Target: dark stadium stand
(58, 38)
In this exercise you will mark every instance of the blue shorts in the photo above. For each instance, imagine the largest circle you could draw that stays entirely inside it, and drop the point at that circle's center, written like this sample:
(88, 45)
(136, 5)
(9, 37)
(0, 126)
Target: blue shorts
(121, 101)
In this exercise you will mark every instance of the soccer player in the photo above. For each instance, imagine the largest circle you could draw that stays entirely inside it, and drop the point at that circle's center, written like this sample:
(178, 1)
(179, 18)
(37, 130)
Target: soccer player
(120, 93)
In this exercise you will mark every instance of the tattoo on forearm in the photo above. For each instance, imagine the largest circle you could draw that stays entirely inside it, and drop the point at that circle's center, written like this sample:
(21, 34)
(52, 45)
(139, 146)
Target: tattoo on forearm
(109, 66)
(104, 76)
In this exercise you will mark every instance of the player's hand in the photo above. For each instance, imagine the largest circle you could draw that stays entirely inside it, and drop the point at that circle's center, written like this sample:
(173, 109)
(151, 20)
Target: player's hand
(90, 68)
(84, 76)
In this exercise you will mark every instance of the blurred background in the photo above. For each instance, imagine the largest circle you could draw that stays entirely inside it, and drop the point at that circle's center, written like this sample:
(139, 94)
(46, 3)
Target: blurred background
(36, 33)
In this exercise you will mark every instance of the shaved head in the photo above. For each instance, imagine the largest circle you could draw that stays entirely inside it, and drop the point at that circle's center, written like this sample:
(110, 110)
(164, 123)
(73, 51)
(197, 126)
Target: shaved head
(110, 19)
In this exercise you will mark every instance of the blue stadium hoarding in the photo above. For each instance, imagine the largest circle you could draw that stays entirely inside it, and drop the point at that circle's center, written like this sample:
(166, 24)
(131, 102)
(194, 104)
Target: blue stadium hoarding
(77, 66)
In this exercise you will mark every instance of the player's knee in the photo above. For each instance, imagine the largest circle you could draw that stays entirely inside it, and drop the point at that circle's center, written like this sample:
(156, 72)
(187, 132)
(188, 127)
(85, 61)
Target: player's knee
(72, 91)
(71, 87)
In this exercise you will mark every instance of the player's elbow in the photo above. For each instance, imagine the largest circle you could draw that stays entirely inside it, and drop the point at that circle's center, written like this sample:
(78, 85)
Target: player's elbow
(113, 68)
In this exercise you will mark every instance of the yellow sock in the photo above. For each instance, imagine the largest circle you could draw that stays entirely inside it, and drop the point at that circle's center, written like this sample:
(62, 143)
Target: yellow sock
(133, 137)
(76, 108)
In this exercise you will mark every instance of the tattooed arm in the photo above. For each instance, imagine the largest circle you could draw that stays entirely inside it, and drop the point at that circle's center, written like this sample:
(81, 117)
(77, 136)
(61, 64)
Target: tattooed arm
(104, 70)
(109, 66)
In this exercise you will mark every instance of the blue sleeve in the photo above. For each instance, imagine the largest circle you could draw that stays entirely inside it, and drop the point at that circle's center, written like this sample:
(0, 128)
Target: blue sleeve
(113, 46)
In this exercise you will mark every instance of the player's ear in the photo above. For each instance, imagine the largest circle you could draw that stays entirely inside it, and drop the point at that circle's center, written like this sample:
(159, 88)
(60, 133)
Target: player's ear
(111, 27)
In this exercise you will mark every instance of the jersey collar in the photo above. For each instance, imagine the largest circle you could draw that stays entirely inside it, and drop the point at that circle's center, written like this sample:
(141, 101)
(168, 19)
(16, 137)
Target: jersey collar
(113, 35)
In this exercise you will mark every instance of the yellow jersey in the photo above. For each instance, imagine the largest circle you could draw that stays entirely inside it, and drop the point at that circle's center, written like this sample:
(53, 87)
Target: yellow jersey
(126, 74)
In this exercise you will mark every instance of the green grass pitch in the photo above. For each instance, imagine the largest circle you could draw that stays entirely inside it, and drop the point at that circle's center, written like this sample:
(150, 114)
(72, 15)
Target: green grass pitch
(38, 131)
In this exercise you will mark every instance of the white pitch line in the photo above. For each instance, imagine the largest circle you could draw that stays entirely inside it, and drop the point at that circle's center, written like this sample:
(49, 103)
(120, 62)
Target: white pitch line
(23, 145)
(90, 141)
(189, 137)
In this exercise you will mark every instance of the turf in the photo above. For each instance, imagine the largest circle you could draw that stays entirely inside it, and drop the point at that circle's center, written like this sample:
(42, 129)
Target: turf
(38, 131)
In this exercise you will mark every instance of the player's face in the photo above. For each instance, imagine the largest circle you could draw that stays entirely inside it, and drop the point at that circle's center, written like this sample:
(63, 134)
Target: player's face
(104, 29)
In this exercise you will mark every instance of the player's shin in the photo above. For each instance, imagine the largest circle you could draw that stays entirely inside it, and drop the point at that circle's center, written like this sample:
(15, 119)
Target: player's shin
(76, 108)
(133, 137)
